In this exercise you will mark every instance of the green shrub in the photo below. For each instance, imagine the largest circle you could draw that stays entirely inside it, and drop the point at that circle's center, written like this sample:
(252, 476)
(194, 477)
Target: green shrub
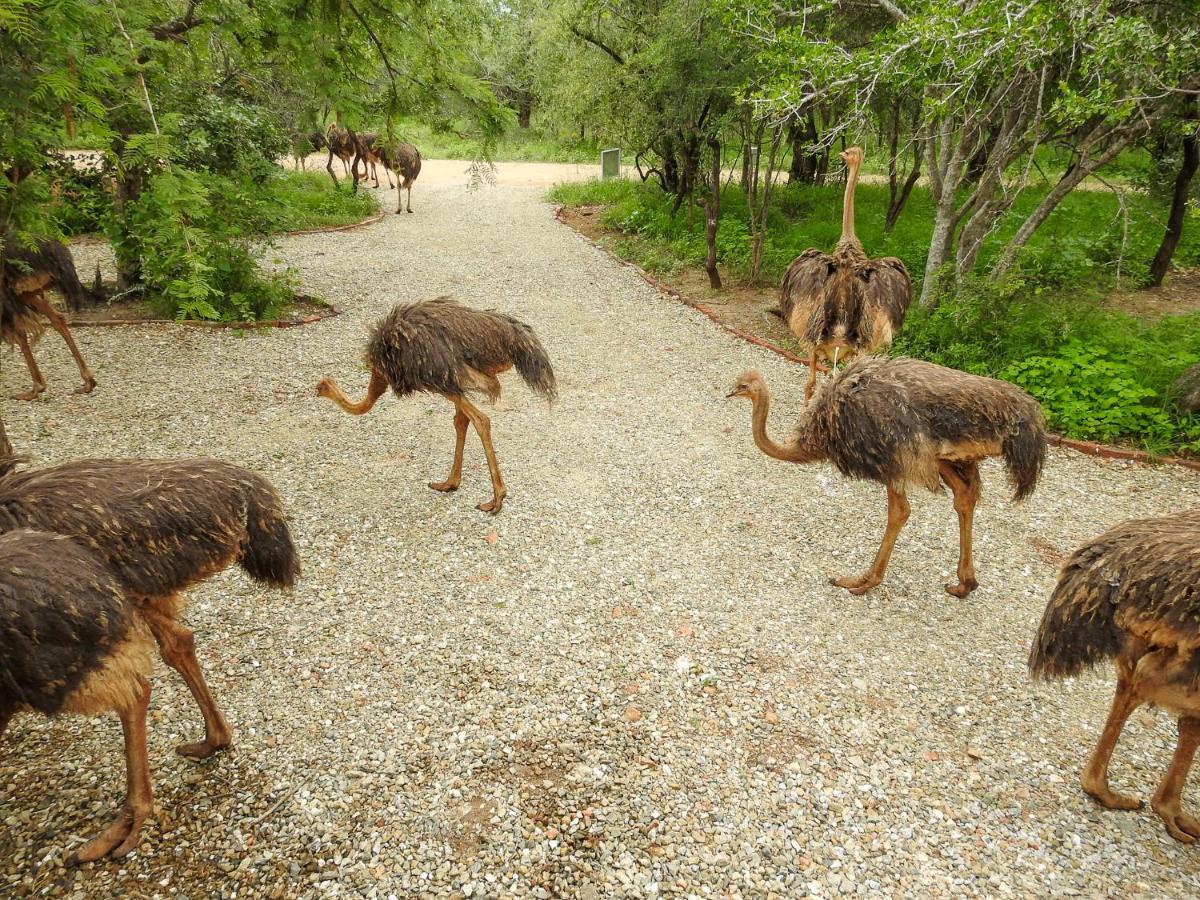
(195, 235)
(82, 194)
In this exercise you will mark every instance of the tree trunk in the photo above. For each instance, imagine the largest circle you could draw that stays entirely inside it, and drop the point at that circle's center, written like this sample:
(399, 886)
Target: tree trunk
(1179, 201)
(524, 109)
(1069, 181)
(712, 215)
(900, 200)
(127, 188)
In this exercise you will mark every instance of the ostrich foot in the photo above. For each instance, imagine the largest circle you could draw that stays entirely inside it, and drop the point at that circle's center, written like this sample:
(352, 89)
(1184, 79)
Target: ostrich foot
(205, 748)
(444, 486)
(1110, 798)
(963, 588)
(89, 385)
(32, 394)
(492, 506)
(856, 584)
(119, 838)
(1180, 826)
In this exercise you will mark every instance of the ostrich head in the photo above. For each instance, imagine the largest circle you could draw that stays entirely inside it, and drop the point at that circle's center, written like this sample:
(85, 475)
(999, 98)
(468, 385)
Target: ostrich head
(325, 388)
(749, 385)
(852, 156)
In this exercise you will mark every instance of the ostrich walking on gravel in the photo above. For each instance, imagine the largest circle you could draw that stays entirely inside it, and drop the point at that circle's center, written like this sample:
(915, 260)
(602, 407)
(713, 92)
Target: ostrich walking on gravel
(404, 159)
(71, 643)
(844, 303)
(903, 423)
(159, 527)
(445, 348)
(25, 276)
(1131, 595)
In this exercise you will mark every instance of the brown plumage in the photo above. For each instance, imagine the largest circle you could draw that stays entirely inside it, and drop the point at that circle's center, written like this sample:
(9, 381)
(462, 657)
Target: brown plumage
(340, 143)
(71, 643)
(367, 150)
(404, 159)
(1133, 595)
(158, 527)
(844, 303)
(442, 347)
(1187, 390)
(904, 423)
(25, 276)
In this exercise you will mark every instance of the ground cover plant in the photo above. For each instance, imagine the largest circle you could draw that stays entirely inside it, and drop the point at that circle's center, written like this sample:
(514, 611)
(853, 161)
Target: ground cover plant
(1101, 373)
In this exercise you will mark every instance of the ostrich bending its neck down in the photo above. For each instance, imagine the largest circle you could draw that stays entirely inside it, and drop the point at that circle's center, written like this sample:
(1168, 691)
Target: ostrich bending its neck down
(1131, 595)
(444, 348)
(904, 422)
(844, 303)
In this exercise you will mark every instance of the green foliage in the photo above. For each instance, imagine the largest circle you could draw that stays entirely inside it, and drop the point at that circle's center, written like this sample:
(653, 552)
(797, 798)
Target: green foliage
(304, 200)
(197, 235)
(227, 135)
(535, 144)
(1100, 374)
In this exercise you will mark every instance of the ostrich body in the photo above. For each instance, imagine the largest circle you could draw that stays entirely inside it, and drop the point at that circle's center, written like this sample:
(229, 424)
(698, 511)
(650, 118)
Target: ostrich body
(442, 347)
(368, 149)
(1131, 595)
(159, 527)
(25, 276)
(844, 303)
(405, 160)
(71, 643)
(904, 423)
(340, 143)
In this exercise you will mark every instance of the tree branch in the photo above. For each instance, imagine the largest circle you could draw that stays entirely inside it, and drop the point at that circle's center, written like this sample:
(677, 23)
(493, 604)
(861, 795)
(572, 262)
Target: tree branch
(596, 42)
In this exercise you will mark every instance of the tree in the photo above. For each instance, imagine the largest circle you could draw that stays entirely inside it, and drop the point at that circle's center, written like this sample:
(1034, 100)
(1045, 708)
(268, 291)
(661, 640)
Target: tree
(159, 84)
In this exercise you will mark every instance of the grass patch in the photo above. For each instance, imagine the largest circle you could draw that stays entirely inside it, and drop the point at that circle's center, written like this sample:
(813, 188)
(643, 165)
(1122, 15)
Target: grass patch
(1101, 374)
(304, 200)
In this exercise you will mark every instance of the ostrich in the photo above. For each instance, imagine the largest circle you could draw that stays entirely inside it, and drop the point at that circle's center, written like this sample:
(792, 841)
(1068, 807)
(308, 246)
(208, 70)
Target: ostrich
(1131, 595)
(71, 643)
(160, 526)
(25, 276)
(905, 422)
(445, 348)
(405, 160)
(340, 143)
(843, 303)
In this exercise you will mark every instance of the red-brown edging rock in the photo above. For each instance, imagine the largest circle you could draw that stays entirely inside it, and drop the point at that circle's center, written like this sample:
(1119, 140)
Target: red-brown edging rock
(370, 220)
(205, 323)
(1087, 447)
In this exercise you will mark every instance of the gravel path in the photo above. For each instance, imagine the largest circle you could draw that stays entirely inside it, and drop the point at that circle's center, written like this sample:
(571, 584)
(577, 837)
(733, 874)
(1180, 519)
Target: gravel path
(634, 681)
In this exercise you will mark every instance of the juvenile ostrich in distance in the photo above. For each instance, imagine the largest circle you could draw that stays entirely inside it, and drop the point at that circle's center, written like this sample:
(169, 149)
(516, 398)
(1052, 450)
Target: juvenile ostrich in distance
(442, 347)
(71, 643)
(405, 160)
(1131, 595)
(904, 423)
(25, 276)
(844, 303)
(159, 526)
(340, 143)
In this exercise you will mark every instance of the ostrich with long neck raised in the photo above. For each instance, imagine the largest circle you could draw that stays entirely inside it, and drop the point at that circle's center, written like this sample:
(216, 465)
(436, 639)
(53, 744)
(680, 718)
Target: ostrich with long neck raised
(844, 303)
(903, 423)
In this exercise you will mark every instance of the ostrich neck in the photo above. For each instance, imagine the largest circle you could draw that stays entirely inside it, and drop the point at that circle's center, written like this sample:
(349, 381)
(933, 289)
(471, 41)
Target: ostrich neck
(848, 235)
(793, 451)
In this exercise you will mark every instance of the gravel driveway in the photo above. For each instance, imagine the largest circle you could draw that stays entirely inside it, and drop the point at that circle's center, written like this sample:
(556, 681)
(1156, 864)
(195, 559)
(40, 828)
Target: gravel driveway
(635, 681)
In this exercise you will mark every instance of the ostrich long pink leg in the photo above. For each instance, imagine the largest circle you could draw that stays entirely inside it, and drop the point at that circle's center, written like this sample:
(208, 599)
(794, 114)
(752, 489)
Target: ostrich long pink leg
(483, 427)
(898, 510)
(964, 483)
(121, 836)
(1166, 799)
(460, 438)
